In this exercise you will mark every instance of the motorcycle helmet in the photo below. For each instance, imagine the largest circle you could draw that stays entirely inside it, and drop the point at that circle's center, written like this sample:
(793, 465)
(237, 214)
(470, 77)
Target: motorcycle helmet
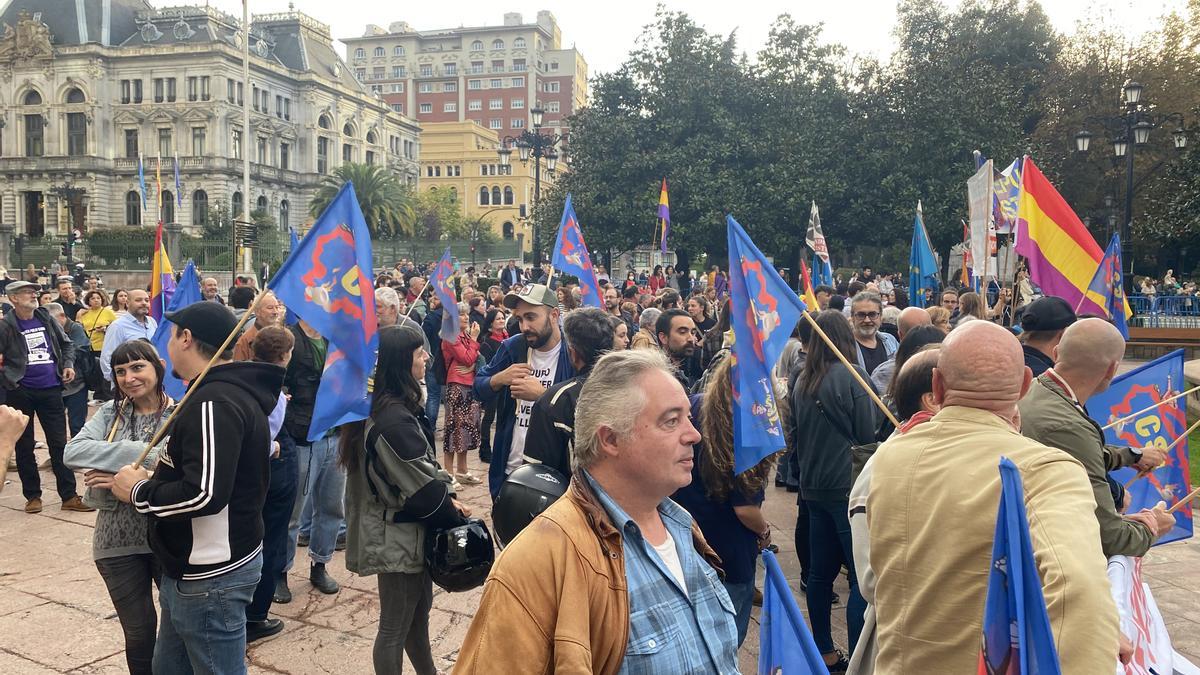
(527, 491)
(460, 558)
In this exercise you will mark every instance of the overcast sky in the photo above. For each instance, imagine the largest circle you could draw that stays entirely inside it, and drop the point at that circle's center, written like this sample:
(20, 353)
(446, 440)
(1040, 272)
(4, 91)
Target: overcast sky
(606, 31)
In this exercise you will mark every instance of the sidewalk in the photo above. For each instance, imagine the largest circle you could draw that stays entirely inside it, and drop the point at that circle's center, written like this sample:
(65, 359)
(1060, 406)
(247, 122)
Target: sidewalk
(56, 617)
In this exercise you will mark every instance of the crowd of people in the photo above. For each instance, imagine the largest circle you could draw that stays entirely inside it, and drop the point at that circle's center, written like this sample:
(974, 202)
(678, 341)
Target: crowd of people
(647, 563)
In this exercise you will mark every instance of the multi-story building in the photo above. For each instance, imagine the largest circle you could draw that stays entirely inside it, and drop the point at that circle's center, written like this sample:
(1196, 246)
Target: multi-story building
(492, 75)
(88, 87)
(461, 157)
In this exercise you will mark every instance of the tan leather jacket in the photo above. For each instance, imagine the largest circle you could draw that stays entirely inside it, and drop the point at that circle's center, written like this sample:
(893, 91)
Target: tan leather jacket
(556, 600)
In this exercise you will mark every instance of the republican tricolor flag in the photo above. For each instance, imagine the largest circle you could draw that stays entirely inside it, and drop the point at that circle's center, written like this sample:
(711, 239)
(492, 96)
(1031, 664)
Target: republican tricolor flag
(664, 214)
(162, 281)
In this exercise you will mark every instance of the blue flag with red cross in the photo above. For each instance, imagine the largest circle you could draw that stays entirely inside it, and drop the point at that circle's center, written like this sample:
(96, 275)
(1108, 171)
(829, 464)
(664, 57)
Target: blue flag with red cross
(443, 286)
(571, 257)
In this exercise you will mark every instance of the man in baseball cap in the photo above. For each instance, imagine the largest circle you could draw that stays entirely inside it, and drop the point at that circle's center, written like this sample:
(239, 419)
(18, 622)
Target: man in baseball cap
(520, 371)
(1043, 323)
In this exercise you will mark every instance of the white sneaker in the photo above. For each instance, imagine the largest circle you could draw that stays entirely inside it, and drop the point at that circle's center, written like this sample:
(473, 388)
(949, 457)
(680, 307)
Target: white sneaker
(468, 478)
(39, 445)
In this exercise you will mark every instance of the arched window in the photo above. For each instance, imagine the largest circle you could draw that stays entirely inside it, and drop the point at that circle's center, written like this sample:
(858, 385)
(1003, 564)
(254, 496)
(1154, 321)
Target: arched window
(284, 207)
(497, 44)
(261, 204)
(324, 122)
(496, 195)
(133, 208)
(371, 137)
(237, 205)
(454, 194)
(519, 43)
(32, 98)
(360, 53)
(74, 95)
(507, 229)
(398, 50)
(168, 207)
(484, 196)
(379, 51)
(199, 207)
(348, 129)
(508, 195)
(477, 46)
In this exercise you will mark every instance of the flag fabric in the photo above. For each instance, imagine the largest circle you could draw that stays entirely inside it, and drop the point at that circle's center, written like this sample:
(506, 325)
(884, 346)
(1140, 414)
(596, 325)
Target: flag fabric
(822, 271)
(1062, 255)
(187, 292)
(1016, 627)
(158, 184)
(1142, 623)
(922, 263)
(290, 317)
(967, 258)
(571, 254)
(162, 277)
(327, 282)
(178, 185)
(1107, 290)
(981, 199)
(816, 239)
(1135, 390)
(785, 644)
(443, 285)
(142, 180)
(664, 214)
(808, 296)
(1007, 188)
(763, 312)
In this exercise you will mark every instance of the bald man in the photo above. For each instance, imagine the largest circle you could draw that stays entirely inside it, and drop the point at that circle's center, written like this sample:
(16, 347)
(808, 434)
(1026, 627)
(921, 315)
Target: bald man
(931, 516)
(910, 318)
(1085, 362)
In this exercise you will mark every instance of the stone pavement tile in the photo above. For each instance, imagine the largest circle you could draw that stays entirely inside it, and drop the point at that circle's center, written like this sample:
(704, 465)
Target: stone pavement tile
(113, 665)
(352, 611)
(1185, 638)
(314, 650)
(14, 664)
(78, 586)
(15, 600)
(79, 638)
(307, 601)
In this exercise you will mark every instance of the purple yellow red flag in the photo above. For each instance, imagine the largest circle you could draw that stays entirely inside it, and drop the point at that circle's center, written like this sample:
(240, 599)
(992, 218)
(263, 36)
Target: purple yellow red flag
(809, 297)
(571, 257)
(1062, 255)
(664, 214)
(162, 277)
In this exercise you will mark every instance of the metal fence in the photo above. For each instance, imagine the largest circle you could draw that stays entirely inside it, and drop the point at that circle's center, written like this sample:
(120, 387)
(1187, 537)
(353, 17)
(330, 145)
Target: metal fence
(1167, 311)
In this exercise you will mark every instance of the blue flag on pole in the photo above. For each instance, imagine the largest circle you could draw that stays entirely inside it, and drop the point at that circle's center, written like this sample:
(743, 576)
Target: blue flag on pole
(822, 271)
(444, 287)
(922, 263)
(1016, 628)
(142, 180)
(290, 317)
(327, 282)
(784, 642)
(1106, 284)
(186, 292)
(1136, 390)
(763, 313)
(571, 257)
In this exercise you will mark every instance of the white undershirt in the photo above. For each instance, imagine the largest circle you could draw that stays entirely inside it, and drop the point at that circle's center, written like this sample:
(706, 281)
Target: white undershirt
(670, 558)
(543, 366)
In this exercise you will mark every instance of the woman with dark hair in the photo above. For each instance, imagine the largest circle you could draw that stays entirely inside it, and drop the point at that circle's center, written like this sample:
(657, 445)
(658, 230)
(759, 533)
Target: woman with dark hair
(727, 507)
(394, 490)
(701, 312)
(120, 302)
(657, 279)
(830, 412)
(620, 333)
(495, 333)
(914, 341)
(495, 297)
(95, 318)
(970, 307)
(111, 440)
(672, 277)
(630, 281)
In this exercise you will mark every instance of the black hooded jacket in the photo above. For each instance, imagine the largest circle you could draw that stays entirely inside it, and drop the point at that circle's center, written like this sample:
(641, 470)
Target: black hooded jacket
(207, 493)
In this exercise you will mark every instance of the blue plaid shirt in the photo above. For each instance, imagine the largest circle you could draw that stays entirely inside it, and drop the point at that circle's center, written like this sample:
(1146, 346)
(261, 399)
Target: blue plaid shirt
(672, 630)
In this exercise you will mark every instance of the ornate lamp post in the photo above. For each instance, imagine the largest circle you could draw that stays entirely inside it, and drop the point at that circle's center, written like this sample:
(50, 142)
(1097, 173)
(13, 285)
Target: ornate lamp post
(69, 193)
(538, 145)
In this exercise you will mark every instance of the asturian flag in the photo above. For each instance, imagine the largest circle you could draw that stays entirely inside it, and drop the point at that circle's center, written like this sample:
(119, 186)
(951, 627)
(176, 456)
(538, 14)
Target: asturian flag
(571, 256)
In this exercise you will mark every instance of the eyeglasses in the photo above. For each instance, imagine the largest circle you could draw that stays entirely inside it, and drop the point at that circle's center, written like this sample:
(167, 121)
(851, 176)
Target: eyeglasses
(950, 301)
(866, 315)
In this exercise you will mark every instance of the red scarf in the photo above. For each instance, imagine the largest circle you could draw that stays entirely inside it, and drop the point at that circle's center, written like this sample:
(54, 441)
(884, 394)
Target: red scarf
(500, 336)
(917, 419)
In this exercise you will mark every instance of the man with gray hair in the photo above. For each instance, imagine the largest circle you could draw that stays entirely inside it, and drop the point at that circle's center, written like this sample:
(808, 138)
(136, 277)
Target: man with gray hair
(602, 576)
(874, 347)
(387, 312)
(645, 337)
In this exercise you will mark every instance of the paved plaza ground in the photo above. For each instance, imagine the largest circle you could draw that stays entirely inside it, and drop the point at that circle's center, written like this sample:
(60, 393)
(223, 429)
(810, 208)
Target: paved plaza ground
(56, 617)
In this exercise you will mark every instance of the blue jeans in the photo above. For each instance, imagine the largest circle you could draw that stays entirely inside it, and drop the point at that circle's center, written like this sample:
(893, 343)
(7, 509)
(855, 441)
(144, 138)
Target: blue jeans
(203, 627)
(433, 396)
(830, 547)
(742, 596)
(322, 489)
(77, 409)
(277, 512)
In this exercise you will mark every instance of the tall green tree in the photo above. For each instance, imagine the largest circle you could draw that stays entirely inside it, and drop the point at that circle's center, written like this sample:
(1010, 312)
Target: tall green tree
(386, 203)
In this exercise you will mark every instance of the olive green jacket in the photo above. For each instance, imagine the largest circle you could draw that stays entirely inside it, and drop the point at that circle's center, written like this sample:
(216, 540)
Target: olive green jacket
(1050, 416)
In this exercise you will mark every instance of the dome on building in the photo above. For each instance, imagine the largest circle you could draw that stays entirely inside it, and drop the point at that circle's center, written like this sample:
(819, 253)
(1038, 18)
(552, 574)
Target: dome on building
(106, 22)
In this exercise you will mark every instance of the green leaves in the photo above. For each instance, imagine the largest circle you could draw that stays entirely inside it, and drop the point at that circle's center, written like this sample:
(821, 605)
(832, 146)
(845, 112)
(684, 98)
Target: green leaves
(385, 202)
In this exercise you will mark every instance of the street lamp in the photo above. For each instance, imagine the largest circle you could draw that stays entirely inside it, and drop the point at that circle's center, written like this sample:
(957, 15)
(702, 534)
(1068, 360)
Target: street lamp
(538, 145)
(1129, 129)
(69, 193)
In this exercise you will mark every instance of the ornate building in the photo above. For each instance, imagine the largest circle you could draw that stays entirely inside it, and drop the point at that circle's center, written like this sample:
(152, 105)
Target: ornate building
(88, 87)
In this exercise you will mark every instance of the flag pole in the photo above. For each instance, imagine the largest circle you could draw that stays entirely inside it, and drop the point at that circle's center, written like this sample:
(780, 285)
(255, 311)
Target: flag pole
(842, 357)
(1189, 497)
(1148, 409)
(1170, 447)
(194, 384)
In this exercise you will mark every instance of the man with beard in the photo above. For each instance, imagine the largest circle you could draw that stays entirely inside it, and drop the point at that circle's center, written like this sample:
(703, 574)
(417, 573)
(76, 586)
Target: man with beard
(677, 336)
(874, 347)
(137, 324)
(524, 366)
(210, 291)
(612, 304)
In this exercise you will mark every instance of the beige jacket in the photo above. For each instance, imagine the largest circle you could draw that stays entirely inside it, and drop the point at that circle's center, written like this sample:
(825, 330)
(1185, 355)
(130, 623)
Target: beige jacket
(932, 516)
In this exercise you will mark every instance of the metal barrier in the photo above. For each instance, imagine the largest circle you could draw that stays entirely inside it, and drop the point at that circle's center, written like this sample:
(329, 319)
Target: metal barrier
(1167, 311)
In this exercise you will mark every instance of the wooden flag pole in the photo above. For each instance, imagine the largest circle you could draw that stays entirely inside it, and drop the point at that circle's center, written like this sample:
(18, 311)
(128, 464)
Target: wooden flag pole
(1148, 408)
(842, 357)
(193, 385)
(1189, 497)
(428, 285)
(1170, 447)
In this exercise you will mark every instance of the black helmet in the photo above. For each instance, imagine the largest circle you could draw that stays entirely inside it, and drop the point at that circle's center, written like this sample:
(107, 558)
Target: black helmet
(527, 491)
(459, 558)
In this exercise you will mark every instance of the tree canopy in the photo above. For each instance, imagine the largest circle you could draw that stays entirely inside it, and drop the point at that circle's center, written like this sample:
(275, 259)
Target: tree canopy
(386, 203)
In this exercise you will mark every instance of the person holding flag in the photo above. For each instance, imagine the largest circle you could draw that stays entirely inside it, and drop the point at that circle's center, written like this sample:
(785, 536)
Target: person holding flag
(664, 216)
(933, 504)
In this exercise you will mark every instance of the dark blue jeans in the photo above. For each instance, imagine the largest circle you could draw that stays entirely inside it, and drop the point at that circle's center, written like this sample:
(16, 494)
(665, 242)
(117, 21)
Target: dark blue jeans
(830, 547)
(433, 396)
(77, 409)
(277, 511)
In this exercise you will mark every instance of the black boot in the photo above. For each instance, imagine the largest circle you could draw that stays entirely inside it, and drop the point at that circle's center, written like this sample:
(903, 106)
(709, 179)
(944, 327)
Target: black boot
(485, 455)
(257, 630)
(283, 594)
(321, 580)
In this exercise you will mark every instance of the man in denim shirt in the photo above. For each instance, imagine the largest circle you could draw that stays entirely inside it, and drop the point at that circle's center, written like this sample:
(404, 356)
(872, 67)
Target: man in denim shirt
(613, 577)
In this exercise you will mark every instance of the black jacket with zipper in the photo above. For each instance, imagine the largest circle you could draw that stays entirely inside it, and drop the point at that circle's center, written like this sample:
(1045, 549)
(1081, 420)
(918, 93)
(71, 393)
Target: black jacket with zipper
(823, 434)
(16, 351)
(301, 382)
(206, 496)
